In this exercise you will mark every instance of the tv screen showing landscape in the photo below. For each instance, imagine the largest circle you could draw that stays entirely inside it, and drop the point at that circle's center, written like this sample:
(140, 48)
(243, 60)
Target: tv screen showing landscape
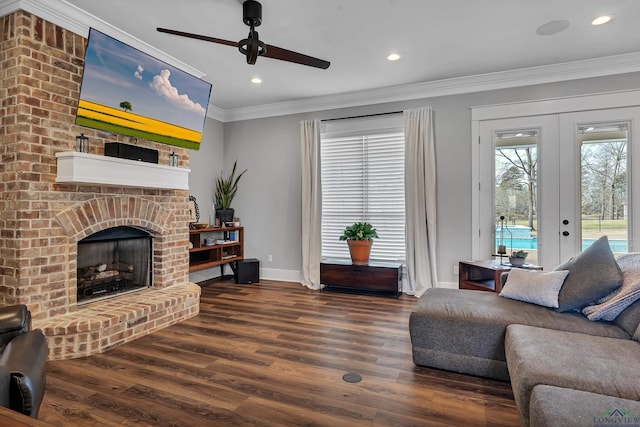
(129, 92)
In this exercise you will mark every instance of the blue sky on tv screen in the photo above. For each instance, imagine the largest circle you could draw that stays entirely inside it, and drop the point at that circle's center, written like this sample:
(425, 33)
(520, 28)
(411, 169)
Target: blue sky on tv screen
(115, 72)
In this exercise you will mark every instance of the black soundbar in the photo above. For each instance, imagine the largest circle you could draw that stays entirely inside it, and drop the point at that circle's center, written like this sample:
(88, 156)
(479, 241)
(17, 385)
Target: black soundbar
(131, 152)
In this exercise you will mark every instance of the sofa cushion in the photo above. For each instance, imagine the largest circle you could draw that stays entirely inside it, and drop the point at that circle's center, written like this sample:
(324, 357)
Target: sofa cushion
(562, 407)
(534, 286)
(566, 359)
(610, 306)
(463, 331)
(593, 274)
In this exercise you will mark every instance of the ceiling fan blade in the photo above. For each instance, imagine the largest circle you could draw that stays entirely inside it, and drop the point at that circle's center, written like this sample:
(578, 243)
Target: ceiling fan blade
(275, 52)
(198, 36)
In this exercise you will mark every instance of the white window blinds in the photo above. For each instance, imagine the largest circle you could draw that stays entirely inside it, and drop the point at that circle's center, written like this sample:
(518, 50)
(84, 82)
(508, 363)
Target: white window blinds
(363, 180)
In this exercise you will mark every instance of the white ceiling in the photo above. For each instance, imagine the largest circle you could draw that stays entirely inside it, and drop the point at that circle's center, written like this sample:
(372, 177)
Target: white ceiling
(437, 39)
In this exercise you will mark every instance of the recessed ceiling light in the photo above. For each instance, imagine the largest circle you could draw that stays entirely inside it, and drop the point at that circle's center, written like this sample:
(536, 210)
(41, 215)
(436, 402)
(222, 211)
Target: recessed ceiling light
(256, 80)
(393, 57)
(601, 20)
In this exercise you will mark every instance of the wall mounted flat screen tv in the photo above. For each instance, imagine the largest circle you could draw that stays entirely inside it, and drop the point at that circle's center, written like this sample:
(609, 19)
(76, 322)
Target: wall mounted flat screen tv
(129, 92)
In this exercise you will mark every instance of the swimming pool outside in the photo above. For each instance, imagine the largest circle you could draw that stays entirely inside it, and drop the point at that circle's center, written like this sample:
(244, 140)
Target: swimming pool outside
(617, 245)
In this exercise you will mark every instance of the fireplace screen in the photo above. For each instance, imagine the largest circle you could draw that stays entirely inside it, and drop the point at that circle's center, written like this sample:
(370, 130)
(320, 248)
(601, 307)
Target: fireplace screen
(113, 261)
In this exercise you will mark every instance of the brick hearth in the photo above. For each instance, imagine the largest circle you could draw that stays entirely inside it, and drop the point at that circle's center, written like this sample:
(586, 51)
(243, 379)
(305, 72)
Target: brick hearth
(106, 324)
(41, 221)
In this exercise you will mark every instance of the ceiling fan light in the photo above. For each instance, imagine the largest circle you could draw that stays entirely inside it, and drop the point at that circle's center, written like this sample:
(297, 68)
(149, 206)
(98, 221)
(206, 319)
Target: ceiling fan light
(600, 20)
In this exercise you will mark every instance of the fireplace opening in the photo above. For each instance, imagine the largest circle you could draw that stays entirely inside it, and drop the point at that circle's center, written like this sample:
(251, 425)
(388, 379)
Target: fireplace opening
(112, 262)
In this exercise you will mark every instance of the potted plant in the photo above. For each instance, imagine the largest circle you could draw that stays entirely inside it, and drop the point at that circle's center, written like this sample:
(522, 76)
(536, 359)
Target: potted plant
(226, 188)
(359, 237)
(517, 258)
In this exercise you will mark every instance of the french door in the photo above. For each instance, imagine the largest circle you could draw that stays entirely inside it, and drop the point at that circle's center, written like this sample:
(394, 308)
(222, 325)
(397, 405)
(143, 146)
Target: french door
(552, 184)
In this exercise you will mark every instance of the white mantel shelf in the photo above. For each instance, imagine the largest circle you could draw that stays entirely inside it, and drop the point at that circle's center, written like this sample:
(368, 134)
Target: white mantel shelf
(83, 168)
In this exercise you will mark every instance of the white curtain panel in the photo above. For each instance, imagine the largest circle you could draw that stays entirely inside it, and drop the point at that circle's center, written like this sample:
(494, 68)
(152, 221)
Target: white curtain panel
(311, 203)
(420, 199)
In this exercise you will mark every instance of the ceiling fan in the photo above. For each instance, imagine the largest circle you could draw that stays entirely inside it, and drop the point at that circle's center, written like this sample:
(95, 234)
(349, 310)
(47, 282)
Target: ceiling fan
(252, 46)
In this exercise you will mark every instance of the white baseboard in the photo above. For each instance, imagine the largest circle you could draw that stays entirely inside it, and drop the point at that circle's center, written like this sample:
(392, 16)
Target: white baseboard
(265, 273)
(448, 285)
(280, 275)
(202, 275)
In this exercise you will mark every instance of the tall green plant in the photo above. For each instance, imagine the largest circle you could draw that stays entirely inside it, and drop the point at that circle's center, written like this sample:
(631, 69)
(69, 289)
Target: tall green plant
(226, 188)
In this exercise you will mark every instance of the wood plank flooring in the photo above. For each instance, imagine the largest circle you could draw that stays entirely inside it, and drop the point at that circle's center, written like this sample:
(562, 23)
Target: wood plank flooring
(273, 354)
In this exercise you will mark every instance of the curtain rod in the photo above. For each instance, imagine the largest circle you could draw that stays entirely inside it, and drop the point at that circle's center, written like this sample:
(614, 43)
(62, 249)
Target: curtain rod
(362, 116)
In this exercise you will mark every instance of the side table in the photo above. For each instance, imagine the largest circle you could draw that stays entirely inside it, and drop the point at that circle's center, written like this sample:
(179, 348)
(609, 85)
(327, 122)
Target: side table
(485, 275)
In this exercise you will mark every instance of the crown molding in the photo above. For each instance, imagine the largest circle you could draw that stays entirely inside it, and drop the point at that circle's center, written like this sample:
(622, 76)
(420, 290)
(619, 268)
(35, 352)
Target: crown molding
(216, 113)
(76, 20)
(610, 65)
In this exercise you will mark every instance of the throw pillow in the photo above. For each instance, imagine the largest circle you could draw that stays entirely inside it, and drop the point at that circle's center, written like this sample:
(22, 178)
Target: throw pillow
(636, 336)
(609, 307)
(593, 274)
(534, 286)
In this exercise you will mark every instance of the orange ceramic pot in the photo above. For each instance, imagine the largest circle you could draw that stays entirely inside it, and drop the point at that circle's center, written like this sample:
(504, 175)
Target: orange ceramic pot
(360, 250)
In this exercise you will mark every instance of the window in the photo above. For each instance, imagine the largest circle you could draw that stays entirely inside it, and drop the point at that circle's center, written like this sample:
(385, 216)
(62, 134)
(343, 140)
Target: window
(363, 180)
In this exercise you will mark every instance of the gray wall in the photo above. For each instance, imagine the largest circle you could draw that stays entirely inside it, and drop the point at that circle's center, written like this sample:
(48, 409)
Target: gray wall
(268, 201)
(205, 164)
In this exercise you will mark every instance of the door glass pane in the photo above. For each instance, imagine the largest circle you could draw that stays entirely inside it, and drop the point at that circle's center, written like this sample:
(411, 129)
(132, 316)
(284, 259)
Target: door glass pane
(604, 194)
(516, 185)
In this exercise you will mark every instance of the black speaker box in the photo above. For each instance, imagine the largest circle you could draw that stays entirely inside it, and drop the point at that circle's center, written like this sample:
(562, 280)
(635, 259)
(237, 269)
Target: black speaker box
(248, 271)
(131, 152)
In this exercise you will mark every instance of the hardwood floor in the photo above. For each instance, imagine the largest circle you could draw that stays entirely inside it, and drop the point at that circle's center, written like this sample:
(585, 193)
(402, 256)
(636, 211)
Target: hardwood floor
(273, 353)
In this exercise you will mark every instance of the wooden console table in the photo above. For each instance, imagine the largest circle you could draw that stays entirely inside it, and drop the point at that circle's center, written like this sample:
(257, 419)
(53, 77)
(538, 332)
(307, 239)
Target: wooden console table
(485, 275)
(376, 277)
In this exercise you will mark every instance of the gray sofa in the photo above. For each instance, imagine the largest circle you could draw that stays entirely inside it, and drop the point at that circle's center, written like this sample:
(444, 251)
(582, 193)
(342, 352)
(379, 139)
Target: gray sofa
(564, 368)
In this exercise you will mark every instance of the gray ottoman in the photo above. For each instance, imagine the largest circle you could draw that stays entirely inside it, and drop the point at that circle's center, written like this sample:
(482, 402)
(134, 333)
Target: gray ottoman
(601, 365)
(561, 407)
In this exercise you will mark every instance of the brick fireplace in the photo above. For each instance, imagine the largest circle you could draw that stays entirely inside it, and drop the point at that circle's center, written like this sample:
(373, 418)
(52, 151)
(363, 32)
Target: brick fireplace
(41, 221)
